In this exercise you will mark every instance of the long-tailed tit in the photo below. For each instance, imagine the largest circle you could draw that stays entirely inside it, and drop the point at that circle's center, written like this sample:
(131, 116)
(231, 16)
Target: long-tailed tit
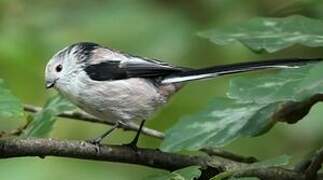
(122, 88)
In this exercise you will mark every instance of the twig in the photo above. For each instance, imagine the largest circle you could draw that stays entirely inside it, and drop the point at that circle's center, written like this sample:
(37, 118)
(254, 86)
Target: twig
(15, 132)
(274, 173)
(229, 155)
(303, 164)
(78, 115)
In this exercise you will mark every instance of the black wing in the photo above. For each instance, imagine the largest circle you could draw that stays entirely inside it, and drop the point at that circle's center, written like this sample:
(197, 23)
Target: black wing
(130, 68)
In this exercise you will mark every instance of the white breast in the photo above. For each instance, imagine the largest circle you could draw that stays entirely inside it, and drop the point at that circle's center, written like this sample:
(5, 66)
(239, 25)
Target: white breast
(123, 100)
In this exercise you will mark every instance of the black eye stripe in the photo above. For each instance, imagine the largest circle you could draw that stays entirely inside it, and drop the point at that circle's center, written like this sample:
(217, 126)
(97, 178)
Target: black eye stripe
(59, 68)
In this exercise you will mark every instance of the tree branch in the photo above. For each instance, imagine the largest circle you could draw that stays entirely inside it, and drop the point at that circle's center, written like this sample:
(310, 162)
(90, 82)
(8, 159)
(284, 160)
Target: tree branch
(13, 147)
(82, 116)
(218, 160)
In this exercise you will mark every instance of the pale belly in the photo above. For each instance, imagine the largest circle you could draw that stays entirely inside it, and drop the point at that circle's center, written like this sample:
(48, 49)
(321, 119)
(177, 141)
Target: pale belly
(125, 100)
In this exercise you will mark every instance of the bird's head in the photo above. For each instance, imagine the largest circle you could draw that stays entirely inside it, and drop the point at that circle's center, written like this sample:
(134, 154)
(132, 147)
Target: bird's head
(67, 62)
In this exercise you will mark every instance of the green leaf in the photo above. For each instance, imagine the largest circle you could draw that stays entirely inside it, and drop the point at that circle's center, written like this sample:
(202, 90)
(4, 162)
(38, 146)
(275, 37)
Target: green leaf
(43, 121)
(188, 173)
(253, 106)
(275, 162)
(10, 106)
(282, 86)
(270, 34)
(217, 125)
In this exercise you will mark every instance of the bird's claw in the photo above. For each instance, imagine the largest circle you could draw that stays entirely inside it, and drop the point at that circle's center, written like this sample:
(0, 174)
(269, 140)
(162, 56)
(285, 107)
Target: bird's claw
(96, 143)
(132, 146)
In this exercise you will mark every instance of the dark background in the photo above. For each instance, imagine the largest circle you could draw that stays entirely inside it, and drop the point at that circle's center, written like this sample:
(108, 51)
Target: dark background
(32, 31)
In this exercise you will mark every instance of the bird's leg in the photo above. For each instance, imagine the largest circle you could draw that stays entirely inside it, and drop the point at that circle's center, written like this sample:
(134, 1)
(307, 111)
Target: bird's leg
(133, 143)
(98, 140)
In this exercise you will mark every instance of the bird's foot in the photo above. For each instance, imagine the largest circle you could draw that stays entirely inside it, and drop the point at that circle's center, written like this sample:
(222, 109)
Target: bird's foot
(132, 145)
(96, 142)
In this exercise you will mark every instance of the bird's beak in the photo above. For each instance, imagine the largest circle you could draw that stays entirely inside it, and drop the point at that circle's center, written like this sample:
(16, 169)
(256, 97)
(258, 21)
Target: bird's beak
(50, 84)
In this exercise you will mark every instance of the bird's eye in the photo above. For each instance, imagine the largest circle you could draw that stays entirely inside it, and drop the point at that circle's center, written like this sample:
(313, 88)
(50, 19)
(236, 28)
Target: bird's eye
(59, 68)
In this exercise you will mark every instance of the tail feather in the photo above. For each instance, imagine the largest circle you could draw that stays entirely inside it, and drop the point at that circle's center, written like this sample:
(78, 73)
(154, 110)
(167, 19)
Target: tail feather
(214, 71)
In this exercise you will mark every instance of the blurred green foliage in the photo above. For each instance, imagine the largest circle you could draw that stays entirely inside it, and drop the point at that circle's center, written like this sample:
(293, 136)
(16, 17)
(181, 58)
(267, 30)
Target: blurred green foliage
(32, 31)
(11, 106)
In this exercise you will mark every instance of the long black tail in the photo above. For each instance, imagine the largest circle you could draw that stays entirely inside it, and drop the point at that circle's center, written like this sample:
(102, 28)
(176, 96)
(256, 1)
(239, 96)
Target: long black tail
(214, 71)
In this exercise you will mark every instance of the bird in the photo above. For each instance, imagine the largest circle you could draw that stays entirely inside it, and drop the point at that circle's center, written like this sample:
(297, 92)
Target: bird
(122, 88)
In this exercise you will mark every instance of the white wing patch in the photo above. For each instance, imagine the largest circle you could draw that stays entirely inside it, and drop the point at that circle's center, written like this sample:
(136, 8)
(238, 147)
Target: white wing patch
(187, 78)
